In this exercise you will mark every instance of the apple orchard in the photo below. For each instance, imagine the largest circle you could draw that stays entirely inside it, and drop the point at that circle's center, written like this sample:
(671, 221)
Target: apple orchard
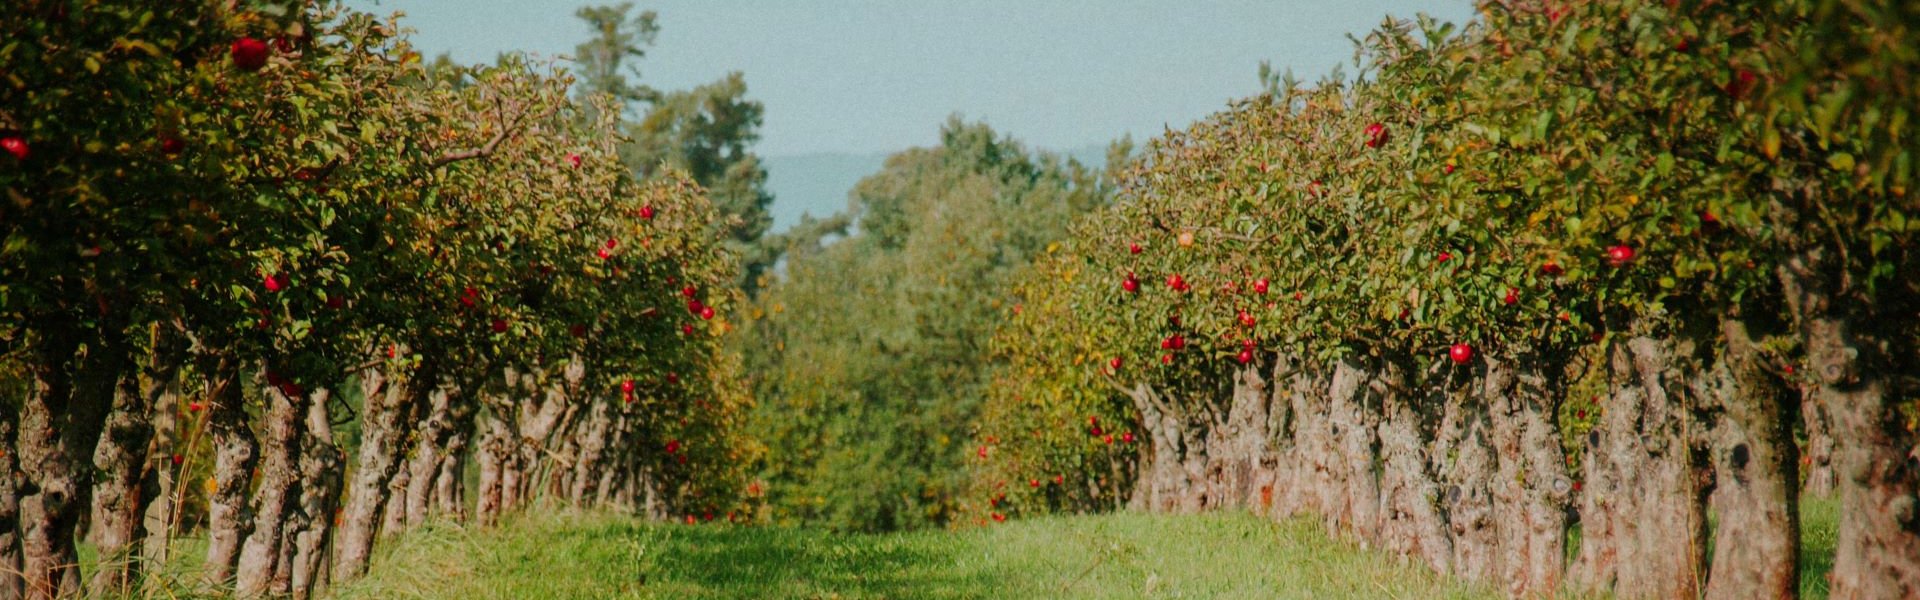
(1576, 296)
(229, 230)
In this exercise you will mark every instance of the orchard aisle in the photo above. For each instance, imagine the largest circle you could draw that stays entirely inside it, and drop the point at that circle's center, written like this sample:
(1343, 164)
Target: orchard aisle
(595, 555)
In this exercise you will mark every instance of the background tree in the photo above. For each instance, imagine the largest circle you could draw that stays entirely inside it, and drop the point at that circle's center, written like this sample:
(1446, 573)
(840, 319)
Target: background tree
(877, 340)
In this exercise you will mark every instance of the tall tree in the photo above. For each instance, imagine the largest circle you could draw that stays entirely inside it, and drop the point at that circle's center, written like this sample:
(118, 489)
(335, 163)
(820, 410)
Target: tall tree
(705, 132)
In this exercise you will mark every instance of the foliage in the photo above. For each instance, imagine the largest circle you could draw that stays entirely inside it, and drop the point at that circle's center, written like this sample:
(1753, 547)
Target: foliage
(874, 344)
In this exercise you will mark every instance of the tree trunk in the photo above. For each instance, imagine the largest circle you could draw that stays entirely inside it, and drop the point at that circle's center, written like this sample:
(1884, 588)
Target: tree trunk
(450, 484)
(161, 482)
(386, 420)
(320, 480)
(279, 490)
(1240, 448)
(1818, 458)
(1412, 524)
(12, 587)
(394, 519)
(1875, 458)
(1176, 472)
(1463, 456)
(1644, 476)
(121, 461)
(1757, 542)
(1310, 484)
(495, 451)
(1352, 417)
(1530, 487)
(236, 453)
(60, 423)
(430, 455)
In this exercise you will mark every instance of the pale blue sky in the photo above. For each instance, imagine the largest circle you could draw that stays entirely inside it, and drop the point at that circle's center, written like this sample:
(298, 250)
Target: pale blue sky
(866, 76)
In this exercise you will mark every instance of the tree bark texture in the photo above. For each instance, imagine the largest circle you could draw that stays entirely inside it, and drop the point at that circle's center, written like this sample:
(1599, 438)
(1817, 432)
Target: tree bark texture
(1756, 546)
(1644, 510)
(60, 423)
(236, 453)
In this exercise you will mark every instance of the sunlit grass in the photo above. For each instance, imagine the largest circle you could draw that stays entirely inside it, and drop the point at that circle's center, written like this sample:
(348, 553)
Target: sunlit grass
(593, 555)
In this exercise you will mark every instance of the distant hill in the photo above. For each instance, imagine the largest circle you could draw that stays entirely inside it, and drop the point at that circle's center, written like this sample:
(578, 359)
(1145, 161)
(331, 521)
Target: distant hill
(817, 184)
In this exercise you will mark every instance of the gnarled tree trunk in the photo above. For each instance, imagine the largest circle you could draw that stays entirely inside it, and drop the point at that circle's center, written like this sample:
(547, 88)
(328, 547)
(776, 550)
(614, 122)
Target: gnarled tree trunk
(161, 481)
(59, 424)
(1875, 455)
(236, 452)
(1352, 419)
(320, 481)
(12, 587)
(119, 503)
(1465, 461)
(1644, 480)
(385, 420)
(1531, 489)
(1756, 547)
(279, 491)
(1412, 522)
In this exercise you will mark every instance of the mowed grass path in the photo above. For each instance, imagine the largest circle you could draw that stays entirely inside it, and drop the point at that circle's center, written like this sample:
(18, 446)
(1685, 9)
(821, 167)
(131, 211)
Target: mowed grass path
(561, 554)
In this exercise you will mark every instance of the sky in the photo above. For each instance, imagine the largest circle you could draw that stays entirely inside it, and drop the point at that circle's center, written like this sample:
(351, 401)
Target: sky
(866, 76)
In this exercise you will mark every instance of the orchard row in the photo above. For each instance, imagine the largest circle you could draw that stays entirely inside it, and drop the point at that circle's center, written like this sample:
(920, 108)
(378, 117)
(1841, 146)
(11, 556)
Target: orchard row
(1621, 260)
(239, 245)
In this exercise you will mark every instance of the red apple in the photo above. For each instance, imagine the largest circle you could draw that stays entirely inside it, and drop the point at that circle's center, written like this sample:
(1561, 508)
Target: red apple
(1551, 268)
(1133, 248)
(1376, 135)
(1245, 356)
(1166, 359)
(603, 254)
(627, 386)
(1460, 353)
(694, 306)
(249, 53)
(1130, 284)
(15, 145)
(577, 330)
(1059, 480)
(1033, 483)
(170, 145)
(1126, 436)
(574, 159)
(1178, 341)
(1620, 255)
(195, 406)
(1447, 169)
(706, 312)
(177, 459)
(1445, 256)
(1115, 364)
(613, 243)
(1260, 287)
(689, 291)
(1740, 84)
(274, 283)
(646, 212)
(1096, 431)
(673, 446)
(499, 325)
(999, 518)
(673, 378)
(1246, 320)
(1513, 296)
(687, 329)
(1108, 438)
(335, 302)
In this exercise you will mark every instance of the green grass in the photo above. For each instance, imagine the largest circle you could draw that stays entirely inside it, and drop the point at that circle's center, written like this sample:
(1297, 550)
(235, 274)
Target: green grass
(578, 554)
(1819, 532)
(596, 555)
